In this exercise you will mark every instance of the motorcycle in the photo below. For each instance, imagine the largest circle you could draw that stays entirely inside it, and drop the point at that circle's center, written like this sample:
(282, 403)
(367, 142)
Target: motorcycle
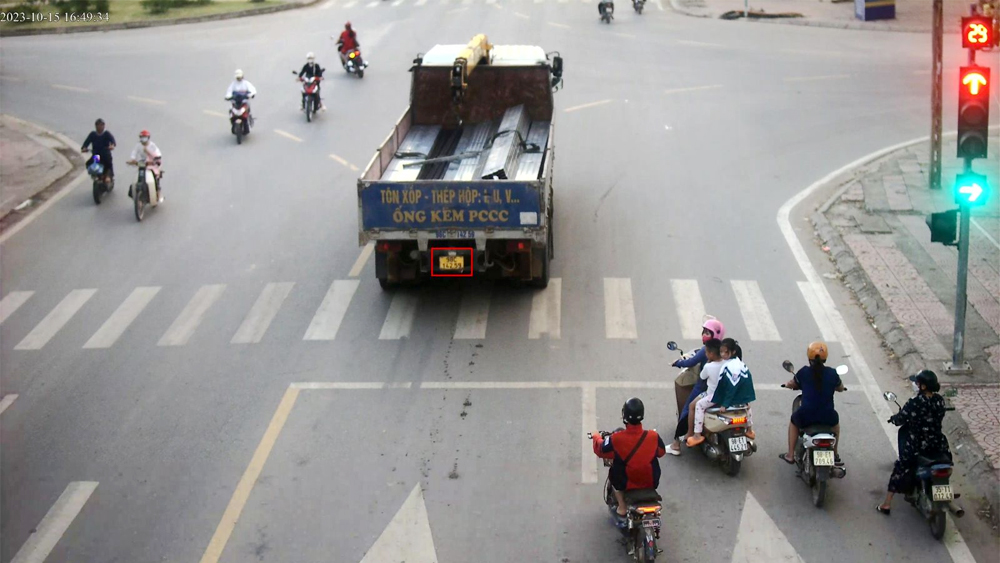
(240, 118)
(96, 170)
(310, 94)
(814, 454)
(353, 63)
(607, 10)
(725, 428)
(638, 5)
(643, 520)
(932, 495)
(144, 192)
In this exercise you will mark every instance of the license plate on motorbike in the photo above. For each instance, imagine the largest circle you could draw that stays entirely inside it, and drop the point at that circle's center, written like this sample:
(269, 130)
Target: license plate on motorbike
(651, 523)
(451, 263)
(942, 492)
(823, 458)
(738, 444)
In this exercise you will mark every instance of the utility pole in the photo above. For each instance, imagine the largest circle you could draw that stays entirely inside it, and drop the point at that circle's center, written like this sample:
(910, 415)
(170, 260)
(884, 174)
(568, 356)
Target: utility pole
(936, 80)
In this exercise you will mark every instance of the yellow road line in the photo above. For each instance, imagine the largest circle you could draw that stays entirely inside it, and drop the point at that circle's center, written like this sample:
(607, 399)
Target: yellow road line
(250, 476)
(287, 135)
(146, 100)
(590, 105)
(344, 162)
(70, 88)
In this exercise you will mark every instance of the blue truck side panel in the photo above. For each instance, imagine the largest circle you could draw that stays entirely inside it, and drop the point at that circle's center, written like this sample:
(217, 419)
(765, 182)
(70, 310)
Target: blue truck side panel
(434, 205)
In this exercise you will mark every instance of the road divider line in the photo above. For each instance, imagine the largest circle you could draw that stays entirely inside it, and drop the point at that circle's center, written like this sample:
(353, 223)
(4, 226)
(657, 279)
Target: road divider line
(819, 315)
(11, 78)
(700, 43)
(619, 309)
(288, 135)
(753, 307)
(55, 523)
(191, 316)
(823, 77)
(522, 16)
(70, 88)
(559, 25)
(147, 100)
(264, 310)
(213, 113)
(473, 313)
(12, 302)
(546, 310)
(690, 307)
(242, 493)
(589, 105)
(124, 315)
(399, 320)
(326, 321)
(692, 89)
(359, 264)
(344, 162)
(56, 319)
(588, 461)
(7, 401)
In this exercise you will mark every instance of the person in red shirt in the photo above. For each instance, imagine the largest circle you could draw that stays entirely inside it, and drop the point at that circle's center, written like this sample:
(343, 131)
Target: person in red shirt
(348, 40)
(634, 451)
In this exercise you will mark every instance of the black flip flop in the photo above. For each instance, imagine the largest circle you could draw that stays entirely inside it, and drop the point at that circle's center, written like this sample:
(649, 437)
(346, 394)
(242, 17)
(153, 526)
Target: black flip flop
(881, 510)
(785, 459)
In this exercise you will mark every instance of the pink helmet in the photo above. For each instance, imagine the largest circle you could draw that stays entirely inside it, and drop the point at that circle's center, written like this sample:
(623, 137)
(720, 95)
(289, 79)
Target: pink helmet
(716, 328)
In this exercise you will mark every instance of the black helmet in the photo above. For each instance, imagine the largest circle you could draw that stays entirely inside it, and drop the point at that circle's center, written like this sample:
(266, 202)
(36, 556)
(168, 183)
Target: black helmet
(928, 378)
(633, 411)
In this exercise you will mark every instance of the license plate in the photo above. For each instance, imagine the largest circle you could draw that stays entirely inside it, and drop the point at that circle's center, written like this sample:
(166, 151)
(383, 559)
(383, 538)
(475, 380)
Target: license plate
(738, 444)
(823, 458)
(451, 263)
(942, 492)
(651, 523)
(455, 234)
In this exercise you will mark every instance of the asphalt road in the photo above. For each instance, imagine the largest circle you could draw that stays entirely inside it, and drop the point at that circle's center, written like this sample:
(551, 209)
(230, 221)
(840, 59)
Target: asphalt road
(678, 140)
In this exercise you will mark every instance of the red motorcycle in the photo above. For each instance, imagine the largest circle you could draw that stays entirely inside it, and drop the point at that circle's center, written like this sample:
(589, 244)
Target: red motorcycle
(240, 119)
(353, 63)
(310, 93)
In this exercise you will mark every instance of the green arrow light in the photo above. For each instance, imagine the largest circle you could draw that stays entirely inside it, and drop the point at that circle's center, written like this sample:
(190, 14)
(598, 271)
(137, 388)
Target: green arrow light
(971, 189)
(973, 192)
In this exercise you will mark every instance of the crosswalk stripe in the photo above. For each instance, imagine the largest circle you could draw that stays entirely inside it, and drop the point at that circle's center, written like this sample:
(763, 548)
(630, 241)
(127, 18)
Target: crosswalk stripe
(690, 307)
(119, 321)
(326, 321)
(756, 316)
(546, 310)
(56, 319)
(619, 309)
(262, 313)
(825, 326)
(12, 302)
(187, 322)
(399, 320)
(359, 264)
(54, 524)
(473, 313)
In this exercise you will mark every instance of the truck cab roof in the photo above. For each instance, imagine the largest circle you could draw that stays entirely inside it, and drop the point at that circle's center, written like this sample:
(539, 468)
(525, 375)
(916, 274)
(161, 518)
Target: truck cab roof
(500, 55)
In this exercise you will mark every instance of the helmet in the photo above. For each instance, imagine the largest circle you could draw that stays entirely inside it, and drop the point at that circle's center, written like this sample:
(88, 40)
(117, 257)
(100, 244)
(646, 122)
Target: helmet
(310, 57)
(633, 411)
(817, 351)
(144, 136)
(239, 74)
(928, 378)
(716, 328)
(347, 26)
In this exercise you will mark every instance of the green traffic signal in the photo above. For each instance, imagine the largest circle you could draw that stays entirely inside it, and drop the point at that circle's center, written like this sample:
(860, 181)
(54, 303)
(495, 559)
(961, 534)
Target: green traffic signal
(971, 189)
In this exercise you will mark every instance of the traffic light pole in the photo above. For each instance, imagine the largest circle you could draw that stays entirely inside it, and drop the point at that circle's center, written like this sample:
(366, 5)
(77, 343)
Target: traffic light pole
(936, 79)
(958, 364)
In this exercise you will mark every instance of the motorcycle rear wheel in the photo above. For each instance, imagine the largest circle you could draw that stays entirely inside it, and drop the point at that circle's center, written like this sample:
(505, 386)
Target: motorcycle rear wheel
(639, 551)
(732, 465)
(937, 523)
(819, 493)
(361, 73)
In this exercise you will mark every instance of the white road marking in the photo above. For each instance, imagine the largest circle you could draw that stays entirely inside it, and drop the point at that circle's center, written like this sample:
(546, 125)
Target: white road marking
(213, 113)
(327, 5)
(699, 43)
(546, 310)
(287, 135)
(351, 4)
(588, 461)
(559, 25)
(619, 309)
(690, 307)
(625, 35)
(12, 302)
(326, 321)
(56, 319)
(825, 77)
(397, 3)
(359, 264)
(658, 4)
(7, 401)
(474, 312)
(70, 88)
(756, 316)
(191, 316)
(825, 327)
(55, 523)
(147, 100)
(952, 540)
(759, 538)
(522, 16)
(372, 4)
(692, 89)
(420, 2)
(11, 78)
(351, 385)
(407, 537)
(589, 105)
(344, 162)
(973, 220)
(24, 222)
(262, 313)
(124, 315)
(399, 320)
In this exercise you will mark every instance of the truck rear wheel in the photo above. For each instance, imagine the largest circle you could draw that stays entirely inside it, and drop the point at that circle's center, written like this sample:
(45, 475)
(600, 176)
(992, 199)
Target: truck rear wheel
(542, 281)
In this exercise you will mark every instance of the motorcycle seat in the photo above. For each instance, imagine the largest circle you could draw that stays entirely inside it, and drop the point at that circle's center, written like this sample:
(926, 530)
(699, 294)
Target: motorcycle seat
(816, 429)
(716, 410)
(641, 496)
(939, 459)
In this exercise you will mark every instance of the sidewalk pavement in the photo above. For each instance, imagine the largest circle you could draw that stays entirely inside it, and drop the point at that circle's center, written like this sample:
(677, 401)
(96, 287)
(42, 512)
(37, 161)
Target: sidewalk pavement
(911, 15)
(874, 229)
(32, 160)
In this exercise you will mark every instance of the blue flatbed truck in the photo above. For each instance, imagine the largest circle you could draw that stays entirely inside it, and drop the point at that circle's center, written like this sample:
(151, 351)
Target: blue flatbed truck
(462, 186)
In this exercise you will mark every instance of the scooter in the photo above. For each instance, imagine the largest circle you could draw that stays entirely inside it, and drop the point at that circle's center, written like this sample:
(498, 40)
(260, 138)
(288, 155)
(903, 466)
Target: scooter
(353, 63)
(96, 170)
(310, 94)
(932, 495)
(725, 428)
(607, 10)
(240, 118)
(144, 191)
(638, 5)
(814, 454)
(643, 520)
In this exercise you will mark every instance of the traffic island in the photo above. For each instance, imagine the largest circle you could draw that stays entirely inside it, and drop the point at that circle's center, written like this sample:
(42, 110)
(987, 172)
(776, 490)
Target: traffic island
(875, 230)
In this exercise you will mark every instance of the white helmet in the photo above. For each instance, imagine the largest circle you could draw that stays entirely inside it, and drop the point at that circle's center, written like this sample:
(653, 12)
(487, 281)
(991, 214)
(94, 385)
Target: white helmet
(239, 74)
(310, 57)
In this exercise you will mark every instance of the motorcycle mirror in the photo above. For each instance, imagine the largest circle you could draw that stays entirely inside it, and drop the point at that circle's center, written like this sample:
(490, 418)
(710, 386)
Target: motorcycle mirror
(293, 72)
(842, 369)
(671, 345)
(557, 66)
(788, 366)
(889, 396)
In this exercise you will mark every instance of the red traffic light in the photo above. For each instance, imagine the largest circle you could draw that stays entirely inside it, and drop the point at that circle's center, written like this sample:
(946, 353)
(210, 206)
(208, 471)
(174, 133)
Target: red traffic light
(977, 32)
(975, 81)
(973, 111)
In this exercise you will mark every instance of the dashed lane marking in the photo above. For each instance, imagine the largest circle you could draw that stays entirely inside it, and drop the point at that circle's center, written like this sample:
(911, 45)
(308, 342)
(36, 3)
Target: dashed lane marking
(147, 100)
(692, 89)
(589, 105)
(700, 43)
(288, 135)
(70, 88)
(213, 113)
(559, 25)
(7, 401)
(359, 264)
(344, 162)
(522, 16)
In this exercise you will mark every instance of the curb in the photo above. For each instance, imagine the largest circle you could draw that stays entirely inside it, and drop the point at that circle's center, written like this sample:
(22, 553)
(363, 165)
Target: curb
(160, 23)
(978, 468)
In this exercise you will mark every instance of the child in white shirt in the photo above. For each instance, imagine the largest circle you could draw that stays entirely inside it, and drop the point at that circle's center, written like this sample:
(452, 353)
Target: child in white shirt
(703, 402)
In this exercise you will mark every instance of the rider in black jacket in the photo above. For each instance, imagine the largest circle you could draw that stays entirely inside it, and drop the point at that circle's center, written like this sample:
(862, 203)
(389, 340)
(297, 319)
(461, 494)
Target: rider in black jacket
(309, 70)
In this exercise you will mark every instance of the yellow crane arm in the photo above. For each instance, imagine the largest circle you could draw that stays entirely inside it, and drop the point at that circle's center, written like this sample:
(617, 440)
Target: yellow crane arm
(478, 50)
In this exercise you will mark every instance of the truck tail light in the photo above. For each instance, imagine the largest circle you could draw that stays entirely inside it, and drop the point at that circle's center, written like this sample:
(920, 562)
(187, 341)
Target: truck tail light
(518, 246)
(384, 246)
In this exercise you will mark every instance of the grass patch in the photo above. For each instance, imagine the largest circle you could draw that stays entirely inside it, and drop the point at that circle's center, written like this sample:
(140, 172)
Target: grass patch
(123, 11)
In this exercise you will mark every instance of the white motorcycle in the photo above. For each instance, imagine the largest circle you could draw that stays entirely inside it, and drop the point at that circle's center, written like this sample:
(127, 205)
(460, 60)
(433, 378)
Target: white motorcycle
(144, 192)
